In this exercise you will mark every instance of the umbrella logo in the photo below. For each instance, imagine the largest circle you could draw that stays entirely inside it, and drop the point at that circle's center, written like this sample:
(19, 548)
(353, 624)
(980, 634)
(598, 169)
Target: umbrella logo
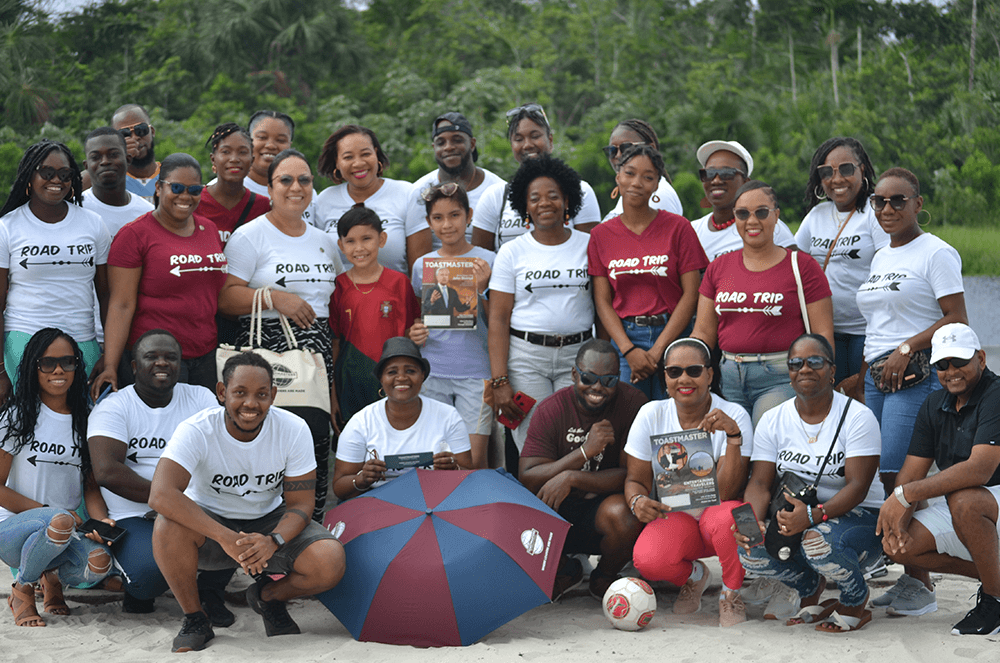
(338, 529)
(532, 541)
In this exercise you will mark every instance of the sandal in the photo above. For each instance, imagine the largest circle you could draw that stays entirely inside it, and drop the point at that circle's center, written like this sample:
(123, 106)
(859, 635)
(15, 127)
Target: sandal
(838, 623)
(813, 613)
(25, 614)
(53, 601)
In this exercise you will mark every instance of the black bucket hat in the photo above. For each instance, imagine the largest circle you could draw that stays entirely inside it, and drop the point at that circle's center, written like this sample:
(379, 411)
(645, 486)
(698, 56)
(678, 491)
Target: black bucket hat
(400, 347)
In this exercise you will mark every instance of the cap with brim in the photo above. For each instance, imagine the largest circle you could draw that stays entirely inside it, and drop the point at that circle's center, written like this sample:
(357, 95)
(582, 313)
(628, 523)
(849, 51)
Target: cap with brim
(400, 347)
(455, 122)
(954, 340)
(713, 146)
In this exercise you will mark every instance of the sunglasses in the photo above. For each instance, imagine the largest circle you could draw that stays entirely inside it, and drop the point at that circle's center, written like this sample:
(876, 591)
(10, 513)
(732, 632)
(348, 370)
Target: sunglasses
(898, 202)
(305, 181)
(942, 365)
(139, 130)
(815, 362)
(527, 109)
(48, 364)
(694, 371)
(588, 379)
(448, 189)
(177, 188)
(724, 174)
(48, 173)
(826, 172)
(613, 151)
(761, 213)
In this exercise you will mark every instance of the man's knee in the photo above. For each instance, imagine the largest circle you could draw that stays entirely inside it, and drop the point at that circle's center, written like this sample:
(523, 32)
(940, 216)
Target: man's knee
(616, 520)
(323, 562)
(970, 505)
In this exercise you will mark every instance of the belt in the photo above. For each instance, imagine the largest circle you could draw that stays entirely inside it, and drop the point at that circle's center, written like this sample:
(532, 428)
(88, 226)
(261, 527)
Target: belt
(551, 341)
(648, 320)
(754, 358)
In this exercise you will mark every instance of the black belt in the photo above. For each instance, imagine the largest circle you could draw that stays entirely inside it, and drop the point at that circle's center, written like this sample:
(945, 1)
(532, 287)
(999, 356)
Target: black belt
(552, 341)
(648, 320)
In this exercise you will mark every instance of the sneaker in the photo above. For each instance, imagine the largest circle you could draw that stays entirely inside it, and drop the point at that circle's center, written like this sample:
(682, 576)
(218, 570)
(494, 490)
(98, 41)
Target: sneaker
(877, 569)
(132, 605)
(568, 577)
(689, 600)
(760, 590)
(599, 584)
(277, 621)
(732, 611)
(195, 634)
(784, 603)
(915, 599)
(890, 595)
(984, 619)
(214, 605)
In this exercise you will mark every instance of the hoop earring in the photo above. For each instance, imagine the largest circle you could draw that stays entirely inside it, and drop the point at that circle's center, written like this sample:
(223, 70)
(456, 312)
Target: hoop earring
(819, 192)
(656, 198)
(381, 392)
(27, 191)
(867, 184)
(337, 175)
(614, 193)
(378, 173)
(928, 222)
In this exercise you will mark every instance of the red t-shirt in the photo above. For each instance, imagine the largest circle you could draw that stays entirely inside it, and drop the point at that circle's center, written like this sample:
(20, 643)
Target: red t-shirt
(225, 219)
(759, 312)
(180, 282)
(645, 270)
(369, 314)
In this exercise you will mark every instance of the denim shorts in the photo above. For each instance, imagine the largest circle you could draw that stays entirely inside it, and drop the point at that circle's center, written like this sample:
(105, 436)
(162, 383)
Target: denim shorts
(756, 385)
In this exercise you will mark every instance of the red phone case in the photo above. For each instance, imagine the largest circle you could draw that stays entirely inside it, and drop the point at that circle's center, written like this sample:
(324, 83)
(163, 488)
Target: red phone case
(523, 401)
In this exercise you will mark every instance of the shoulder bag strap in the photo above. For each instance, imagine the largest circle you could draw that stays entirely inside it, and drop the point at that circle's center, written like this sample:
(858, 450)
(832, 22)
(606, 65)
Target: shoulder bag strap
(836, 434)
(802, 294)
(829, 252)
(246, 210)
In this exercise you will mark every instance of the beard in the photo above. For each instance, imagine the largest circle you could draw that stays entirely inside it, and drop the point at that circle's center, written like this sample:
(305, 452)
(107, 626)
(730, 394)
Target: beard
(142, 162)
(461, 168)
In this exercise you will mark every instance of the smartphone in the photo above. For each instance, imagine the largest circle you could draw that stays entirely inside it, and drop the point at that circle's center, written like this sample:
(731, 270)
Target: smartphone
(108, 533)
(746, 524)
(523, 401)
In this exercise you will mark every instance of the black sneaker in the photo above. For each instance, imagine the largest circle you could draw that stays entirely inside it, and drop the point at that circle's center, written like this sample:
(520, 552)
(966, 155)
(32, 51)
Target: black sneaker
(277, 621)
(214, 604)
(195, 634)
(984, 619)
(132, 605)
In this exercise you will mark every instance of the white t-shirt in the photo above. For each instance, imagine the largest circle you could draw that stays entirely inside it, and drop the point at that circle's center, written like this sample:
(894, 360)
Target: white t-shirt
(307, 266)
(900, 296)
(235, 479)
(390, 203)
(144, 430)
(52, 268)
(850, 261)
(370, 430)
(417, 211)
(781, 438)
(309, 216)
(48, 469)
(718, 242)
(494, 214)
(669, 201)
(550, 284)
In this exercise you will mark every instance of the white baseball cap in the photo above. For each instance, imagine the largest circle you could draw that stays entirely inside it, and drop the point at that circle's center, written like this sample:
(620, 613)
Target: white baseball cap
(713, 146)
(954, 340)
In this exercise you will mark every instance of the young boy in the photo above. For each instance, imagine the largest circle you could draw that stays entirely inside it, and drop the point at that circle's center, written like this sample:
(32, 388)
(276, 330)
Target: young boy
(370, 305)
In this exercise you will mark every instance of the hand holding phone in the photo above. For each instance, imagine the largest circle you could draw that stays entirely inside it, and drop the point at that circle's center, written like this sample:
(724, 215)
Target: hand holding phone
(747, 525)
(510, 419)
(108, 533)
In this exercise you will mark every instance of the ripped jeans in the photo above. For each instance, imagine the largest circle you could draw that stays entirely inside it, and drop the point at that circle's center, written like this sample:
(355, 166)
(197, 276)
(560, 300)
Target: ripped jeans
(845, 546)
(33, 544)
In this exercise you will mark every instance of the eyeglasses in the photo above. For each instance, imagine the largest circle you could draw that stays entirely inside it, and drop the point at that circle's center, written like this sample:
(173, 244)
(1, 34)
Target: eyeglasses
(305, 181)
(724, 174)
(826, 172)
(588, 379)
(815, 362)
(761, 213)
(613, 151)
(694, 371)
(177, 188)
(140, 130)
(897, 202)
(48, 364)
(448, 189)
(48, 173)
(527, 109)
(942, 365)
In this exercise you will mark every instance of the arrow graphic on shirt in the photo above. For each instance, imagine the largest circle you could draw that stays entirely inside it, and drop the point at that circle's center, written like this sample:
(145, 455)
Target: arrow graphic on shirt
(89, 262)
(176, 271)
(892, 286)
(134, 457)
(767, 310)
(244, 493)
(583, 286)
(655, 271)
(34, 462)
(283, 280)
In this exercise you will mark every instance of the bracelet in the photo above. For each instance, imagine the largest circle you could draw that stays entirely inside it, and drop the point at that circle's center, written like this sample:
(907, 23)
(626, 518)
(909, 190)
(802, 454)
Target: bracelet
(809, 510)
(825, 517)
(500, 381)
(354, 483)
(635, 498)
(584, 454)
(899, 496)
(634, 347)
(738, 436)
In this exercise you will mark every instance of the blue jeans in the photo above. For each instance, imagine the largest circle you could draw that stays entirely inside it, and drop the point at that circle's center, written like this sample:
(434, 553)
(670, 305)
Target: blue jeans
(896, 414)
(645, 338)
(25, 545)
(757, 386)
(845, 546)
(850, 353)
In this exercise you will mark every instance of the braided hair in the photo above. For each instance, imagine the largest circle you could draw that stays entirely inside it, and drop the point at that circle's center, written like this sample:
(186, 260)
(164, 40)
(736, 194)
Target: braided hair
(20, 413)
(641, 127)
(32, 159)
(224, 131)
(647, 151)
(822, 152)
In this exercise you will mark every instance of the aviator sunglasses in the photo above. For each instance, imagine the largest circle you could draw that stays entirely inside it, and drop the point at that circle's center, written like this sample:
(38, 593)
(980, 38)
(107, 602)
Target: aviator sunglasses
(815, 362)
(48, 364)
(305, 181)
(177, 188)
(897, 202)
(761, 213)
(826, 172)
(694, 371)
(942, 365)
(139, 130)
(613, 151)
(724, 174)
(527, 109)
(588, 379)
(448, 189)
(48, 173)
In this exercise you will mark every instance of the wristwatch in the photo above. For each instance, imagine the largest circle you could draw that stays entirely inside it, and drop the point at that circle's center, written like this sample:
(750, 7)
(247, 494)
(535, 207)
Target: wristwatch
(278, 539)
(904, 350)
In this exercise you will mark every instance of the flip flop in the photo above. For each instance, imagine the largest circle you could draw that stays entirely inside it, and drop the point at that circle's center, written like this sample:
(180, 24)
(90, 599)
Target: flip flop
(839, 623)
(813, 613)
(25, 614)
(53, 601)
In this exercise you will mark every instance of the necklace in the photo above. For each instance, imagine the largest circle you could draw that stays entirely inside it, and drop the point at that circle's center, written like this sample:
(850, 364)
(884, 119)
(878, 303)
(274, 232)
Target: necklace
(721, 226)
(369, 290)
(811, 439)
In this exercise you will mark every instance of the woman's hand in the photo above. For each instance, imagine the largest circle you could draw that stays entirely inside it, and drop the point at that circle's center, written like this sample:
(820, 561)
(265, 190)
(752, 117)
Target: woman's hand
(795, 521)
(893, 370)
(294, 308)
(419, 333)
(481, 270)
(642, 363)
(647, 509)
(93, 535)
(503, 401)
(445, 460)
(371, 473)
(108, 376)
(717, 420)
(744, 541)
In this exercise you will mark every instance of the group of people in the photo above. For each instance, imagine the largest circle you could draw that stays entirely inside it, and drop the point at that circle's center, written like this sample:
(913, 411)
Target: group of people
(593, 340)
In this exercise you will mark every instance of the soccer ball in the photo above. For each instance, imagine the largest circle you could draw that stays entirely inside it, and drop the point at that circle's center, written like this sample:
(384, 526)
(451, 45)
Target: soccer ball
(629, 604)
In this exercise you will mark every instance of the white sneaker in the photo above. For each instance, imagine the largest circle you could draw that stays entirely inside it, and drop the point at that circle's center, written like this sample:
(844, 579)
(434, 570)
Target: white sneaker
(914, 600)
(783, 604)
(759, 591)
(886, 599)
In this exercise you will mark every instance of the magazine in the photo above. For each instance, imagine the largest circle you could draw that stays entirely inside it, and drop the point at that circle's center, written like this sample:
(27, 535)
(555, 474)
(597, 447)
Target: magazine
(684, 470)
(449, 296)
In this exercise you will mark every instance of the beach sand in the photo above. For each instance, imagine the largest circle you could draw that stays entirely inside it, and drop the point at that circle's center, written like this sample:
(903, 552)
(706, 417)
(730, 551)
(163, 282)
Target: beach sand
(571, 631)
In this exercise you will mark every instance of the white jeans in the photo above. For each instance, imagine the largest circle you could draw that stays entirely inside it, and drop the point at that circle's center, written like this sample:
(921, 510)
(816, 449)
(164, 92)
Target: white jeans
(539, 372)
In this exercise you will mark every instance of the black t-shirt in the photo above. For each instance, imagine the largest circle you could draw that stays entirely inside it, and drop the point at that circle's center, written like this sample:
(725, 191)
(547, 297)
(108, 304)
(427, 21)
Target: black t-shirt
(948, 436)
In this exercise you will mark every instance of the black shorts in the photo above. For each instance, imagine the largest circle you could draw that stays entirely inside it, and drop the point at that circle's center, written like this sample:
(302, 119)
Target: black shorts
(581, 513)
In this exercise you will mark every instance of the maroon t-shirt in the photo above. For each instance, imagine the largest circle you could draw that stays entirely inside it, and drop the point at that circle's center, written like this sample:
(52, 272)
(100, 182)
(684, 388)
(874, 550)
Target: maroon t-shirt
(225, 219)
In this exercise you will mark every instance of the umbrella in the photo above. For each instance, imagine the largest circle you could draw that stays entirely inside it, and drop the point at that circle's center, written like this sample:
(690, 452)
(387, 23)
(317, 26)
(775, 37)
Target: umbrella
(443, 558)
